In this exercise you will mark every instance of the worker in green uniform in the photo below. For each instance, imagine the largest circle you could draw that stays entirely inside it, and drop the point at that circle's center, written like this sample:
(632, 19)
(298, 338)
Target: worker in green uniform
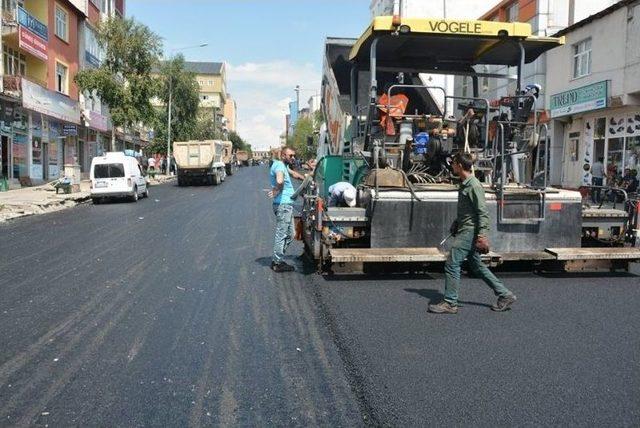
(470, 232)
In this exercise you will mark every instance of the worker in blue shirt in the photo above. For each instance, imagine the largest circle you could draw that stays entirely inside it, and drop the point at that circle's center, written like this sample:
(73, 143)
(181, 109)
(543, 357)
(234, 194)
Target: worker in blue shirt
(281, 192)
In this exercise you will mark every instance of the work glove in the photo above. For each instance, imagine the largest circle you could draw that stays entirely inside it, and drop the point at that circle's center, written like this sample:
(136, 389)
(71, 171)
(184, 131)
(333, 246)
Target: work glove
(482, 244)
(453, 229)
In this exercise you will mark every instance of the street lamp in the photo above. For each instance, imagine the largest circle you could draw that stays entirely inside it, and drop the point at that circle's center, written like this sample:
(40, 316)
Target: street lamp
(202, 45)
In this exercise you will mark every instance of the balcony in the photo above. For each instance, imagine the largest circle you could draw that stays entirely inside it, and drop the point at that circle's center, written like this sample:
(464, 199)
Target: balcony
(9, 21)
(12, 85)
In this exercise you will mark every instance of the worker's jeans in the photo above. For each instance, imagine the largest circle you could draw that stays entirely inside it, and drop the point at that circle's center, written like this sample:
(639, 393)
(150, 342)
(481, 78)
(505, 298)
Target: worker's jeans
(595, 193)
(284, 230)
(452, 274)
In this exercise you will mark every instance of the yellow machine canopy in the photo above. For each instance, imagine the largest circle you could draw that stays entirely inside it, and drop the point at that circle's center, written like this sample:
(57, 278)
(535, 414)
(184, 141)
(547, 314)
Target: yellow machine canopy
(431, 44)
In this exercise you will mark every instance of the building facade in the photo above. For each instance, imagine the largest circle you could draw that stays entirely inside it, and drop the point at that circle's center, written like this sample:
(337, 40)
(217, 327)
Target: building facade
(42, 130)
(212, 79)
(230, 114)
(545, 18)
(593, 89)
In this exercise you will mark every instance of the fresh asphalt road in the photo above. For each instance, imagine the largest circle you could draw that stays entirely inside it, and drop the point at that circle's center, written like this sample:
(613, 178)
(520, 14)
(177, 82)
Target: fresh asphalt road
(165, 313)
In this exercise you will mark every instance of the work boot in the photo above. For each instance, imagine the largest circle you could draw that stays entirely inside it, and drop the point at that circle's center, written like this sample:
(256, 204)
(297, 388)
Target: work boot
(443, 307)
(281, 267)
(504, 303)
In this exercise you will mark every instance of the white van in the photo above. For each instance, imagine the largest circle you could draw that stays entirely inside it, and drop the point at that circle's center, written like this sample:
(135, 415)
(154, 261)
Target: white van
(116, 175)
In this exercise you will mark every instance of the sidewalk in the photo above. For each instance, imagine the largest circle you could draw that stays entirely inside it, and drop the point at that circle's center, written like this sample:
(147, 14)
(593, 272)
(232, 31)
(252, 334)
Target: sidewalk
(43, 199)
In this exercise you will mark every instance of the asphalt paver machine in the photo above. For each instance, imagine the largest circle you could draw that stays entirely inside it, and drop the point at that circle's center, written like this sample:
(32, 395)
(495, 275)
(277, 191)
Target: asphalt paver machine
(386, 133)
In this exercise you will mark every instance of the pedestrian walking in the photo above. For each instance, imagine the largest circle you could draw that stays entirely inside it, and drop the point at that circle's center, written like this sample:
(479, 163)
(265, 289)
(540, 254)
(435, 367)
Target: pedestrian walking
(470, 231)
(152, 163)
(281, 192)
(163, 165)
(597, 177)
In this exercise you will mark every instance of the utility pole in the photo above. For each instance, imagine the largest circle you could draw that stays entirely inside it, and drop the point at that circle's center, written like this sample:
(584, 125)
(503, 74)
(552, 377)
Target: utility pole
(169, 125)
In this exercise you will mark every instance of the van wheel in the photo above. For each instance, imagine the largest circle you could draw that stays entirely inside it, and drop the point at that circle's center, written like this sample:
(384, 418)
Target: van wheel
(216, 179)
(146, 192)
(134, 198)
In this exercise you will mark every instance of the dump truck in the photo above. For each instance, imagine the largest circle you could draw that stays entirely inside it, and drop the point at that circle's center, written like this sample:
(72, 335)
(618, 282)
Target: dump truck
(199, 162)
(376, 110)
(229, 158)
(243, 157)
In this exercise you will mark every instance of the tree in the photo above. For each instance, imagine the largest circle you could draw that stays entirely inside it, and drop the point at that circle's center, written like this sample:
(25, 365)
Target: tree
(185, 100)
(123, 80)
(238, 142)
(205, 128)
(304, 140)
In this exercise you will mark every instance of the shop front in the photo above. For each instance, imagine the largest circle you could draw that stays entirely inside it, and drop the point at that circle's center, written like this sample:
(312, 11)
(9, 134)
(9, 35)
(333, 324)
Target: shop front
(12, 120)
(93, 139)
(592, 130)
(52, 137)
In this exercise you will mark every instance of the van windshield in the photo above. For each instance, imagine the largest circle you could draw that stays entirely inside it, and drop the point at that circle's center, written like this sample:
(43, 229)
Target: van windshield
(108, 170)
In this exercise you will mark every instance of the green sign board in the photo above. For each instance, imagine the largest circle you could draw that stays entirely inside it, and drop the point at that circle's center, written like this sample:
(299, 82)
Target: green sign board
(585, 98)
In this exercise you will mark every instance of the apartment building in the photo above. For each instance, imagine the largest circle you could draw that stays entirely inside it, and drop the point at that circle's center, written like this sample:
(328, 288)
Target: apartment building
(546, 18)
(593, 86)
(212, 79)
(45, 131)
(230, 114)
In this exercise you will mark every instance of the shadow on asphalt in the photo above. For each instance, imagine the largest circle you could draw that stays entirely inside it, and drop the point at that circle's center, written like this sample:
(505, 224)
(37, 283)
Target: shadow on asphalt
(378, 277)
(570, 275)
(435, 296)
(303, 266)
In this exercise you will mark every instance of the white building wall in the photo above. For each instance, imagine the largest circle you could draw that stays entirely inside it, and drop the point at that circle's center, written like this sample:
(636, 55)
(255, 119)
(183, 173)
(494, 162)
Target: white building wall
(614, 57)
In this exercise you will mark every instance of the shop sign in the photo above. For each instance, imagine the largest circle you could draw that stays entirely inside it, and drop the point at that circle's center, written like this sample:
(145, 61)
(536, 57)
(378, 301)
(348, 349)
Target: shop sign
(585, 98)
(91, 59)
(26, 20)
(41, 100)
(69, 130)
(99, 122)
(32, 43)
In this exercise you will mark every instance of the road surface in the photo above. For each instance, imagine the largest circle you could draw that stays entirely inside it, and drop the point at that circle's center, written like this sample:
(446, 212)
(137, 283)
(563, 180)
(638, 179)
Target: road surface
(165, 312)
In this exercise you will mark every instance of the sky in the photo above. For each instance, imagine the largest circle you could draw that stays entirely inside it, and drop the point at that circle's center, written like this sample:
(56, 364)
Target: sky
(270, 46)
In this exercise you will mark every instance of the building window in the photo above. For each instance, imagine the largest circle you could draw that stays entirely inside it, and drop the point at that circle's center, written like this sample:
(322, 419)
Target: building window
(15, 63)
(62, 23)
(582, 58)
(513, 12)
(62, 75)
(210, 82)
(465, 86)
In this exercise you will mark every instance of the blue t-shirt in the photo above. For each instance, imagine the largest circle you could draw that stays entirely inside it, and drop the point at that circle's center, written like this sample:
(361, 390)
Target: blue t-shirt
(284, 197)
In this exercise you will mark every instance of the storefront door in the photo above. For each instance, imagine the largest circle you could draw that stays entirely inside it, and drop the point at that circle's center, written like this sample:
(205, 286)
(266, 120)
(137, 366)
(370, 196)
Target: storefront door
(6, 156)
(45, 161)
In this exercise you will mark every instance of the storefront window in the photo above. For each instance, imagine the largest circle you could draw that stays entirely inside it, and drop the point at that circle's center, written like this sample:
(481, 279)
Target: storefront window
(19, 154)
(632, 153)
(614, 157)
(36, 151)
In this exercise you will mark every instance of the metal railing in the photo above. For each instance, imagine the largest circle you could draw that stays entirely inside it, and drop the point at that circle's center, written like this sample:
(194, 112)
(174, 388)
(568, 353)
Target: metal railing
(541, 191)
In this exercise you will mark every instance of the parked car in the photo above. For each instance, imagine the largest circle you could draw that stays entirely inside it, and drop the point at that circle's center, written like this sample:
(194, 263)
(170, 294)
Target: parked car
(116, 175)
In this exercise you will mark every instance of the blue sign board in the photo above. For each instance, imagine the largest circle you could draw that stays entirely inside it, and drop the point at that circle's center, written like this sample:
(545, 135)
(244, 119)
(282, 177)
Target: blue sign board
(69, 130)
(26, 20)
(91, 60)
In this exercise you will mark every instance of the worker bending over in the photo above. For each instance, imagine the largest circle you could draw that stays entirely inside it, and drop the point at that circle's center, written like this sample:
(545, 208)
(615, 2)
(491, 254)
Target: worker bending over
(470, 231)
(342, 194)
